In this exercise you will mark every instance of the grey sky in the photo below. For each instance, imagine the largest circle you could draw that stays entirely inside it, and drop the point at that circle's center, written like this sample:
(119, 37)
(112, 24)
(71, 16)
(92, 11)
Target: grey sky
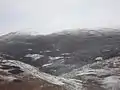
(46, 16)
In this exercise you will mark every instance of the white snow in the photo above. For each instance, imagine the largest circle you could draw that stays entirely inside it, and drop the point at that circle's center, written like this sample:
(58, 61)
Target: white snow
(57, 50)
(112, 83)
(48, 51)
(34, 56)
(65, 54)
(54, 58)
(45, 65)
(30, 49)
(86, 73)
(99, 58)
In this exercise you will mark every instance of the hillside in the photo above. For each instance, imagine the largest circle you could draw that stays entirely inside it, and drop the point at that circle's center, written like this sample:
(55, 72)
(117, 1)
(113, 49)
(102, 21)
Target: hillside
(100, 75)
(15, 75)
(61, 52)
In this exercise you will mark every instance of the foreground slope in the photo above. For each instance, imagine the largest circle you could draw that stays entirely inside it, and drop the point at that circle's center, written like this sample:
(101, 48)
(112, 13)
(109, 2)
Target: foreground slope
(101, 75)
(15, 75)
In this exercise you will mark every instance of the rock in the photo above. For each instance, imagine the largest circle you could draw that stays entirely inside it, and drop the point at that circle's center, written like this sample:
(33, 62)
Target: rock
(17, 81)
(15, 71)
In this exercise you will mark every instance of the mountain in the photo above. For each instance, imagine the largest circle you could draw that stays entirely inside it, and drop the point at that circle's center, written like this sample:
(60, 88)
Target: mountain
(100, 75)
(69, 60)
(61, 52)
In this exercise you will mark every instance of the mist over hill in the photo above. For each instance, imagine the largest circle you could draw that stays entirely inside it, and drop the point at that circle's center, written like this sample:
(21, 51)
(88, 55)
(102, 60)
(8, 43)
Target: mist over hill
(61, 52)
(79, 59)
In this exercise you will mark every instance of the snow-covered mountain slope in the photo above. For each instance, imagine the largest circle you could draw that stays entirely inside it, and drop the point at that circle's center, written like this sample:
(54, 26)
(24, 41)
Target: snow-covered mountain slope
(47, 52)
(101, 75)
(15, 72)
(60, 53)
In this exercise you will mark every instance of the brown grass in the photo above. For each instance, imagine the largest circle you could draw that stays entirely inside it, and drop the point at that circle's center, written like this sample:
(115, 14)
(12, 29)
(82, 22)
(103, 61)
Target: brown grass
(29, 85)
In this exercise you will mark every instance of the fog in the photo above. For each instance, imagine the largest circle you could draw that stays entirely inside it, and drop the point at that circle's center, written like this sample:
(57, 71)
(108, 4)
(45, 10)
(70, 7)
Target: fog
(47, 16)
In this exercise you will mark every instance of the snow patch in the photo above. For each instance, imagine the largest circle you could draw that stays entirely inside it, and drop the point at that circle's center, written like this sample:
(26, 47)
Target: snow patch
(48, 51)
(65, 54)
(54, 58)
(45, 65)
(112, 83)
(34, 56)
(99, 58)
(30, 49)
